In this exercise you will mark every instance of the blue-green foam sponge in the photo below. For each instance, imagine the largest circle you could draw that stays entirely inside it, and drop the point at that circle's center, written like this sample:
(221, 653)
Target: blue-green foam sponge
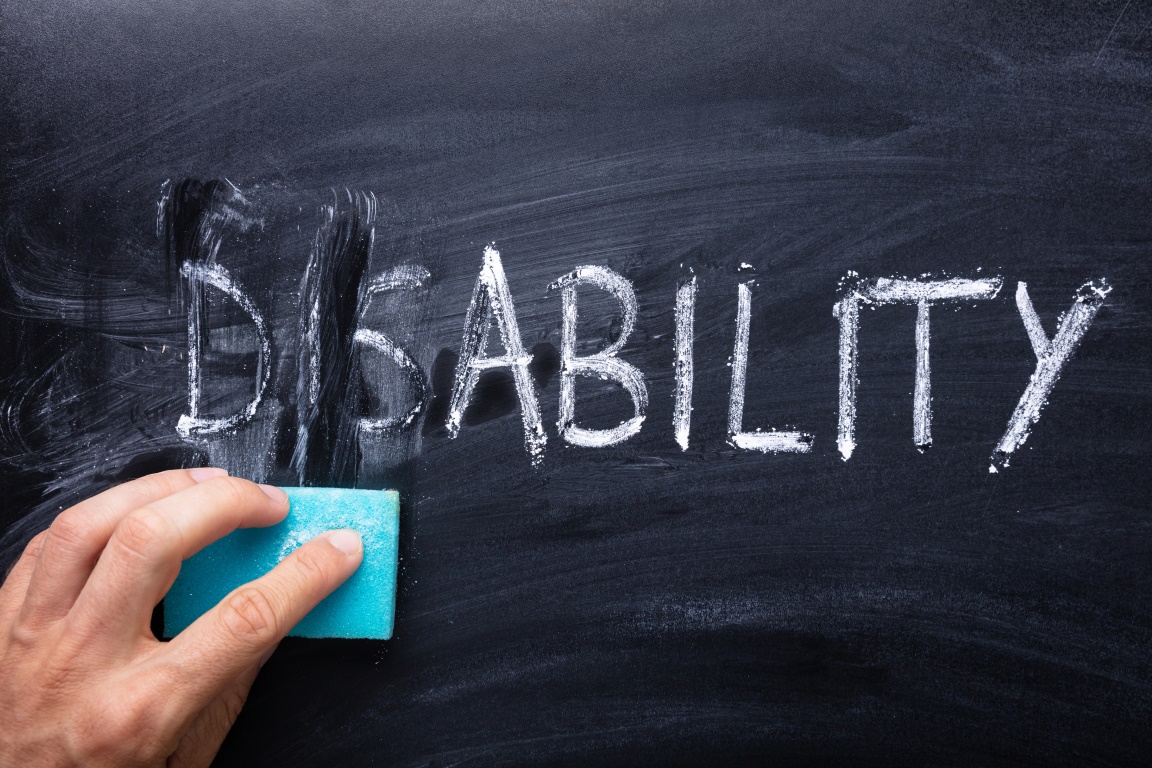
(363, 607)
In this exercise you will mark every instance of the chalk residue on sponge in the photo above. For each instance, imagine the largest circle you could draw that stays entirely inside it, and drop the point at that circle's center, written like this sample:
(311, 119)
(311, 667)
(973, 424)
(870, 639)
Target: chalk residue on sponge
(363, 607)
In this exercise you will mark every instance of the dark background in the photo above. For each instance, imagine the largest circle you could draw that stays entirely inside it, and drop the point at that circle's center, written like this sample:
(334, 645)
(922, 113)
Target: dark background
(633, 605)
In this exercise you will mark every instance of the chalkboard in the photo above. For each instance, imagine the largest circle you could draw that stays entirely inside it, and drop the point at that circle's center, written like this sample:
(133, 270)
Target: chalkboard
(765, 382)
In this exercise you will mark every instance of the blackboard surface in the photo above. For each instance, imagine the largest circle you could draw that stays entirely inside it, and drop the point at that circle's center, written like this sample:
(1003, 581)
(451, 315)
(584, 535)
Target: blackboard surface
(633, 603)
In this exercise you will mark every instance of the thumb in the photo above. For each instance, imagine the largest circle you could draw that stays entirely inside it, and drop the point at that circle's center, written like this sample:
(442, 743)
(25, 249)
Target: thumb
(199, 744)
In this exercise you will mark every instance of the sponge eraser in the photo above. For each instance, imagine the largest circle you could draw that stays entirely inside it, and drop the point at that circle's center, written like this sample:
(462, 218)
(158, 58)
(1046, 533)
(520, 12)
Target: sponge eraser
(362, 607)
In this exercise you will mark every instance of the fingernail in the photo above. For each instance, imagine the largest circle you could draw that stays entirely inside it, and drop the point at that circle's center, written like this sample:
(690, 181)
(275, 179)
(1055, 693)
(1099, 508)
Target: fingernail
(274, 493)
(346, 541)
(200, 474)
(268, 654)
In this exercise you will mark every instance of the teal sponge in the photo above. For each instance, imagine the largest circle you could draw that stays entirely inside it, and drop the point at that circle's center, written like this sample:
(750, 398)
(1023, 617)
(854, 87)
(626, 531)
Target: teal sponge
(363, 607)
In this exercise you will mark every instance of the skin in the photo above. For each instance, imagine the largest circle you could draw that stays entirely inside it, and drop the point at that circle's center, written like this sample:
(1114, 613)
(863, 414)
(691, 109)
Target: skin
(84, 681)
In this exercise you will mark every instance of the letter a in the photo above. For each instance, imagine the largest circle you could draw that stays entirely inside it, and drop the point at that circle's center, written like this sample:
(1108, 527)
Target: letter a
(491, 298)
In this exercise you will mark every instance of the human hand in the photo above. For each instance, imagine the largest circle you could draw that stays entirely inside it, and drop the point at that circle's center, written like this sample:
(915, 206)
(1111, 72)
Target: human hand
(83, 681)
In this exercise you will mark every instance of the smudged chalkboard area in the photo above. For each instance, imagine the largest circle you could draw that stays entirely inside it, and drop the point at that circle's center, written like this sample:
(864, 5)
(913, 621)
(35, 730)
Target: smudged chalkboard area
(328, 395)
(637, 604)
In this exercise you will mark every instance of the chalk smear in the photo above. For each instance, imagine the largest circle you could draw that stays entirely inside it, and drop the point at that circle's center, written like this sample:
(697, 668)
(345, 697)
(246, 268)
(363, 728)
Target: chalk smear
(491, 299)
(604, 364)
(770, 441)
(402, 277)
(199, 274)
(329, 384)
(1051, 357)
(891, 290)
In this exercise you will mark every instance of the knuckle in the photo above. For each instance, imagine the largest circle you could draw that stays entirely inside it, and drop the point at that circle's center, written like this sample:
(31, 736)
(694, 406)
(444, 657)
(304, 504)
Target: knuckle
(233, 702)
(150, 487)
(27, 559)
(232, 491)
(72, 528)
(121, 732)
(143, 533)
(312, 564)
(35, 545)
(147, 489)
(248, 615)
(23, 635)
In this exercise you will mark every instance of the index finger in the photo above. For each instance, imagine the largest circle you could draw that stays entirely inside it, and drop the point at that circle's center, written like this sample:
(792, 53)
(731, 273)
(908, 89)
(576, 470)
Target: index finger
(247, 623)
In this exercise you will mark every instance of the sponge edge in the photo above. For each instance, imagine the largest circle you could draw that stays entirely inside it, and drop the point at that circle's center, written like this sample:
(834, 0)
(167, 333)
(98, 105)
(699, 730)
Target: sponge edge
(363, 607)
